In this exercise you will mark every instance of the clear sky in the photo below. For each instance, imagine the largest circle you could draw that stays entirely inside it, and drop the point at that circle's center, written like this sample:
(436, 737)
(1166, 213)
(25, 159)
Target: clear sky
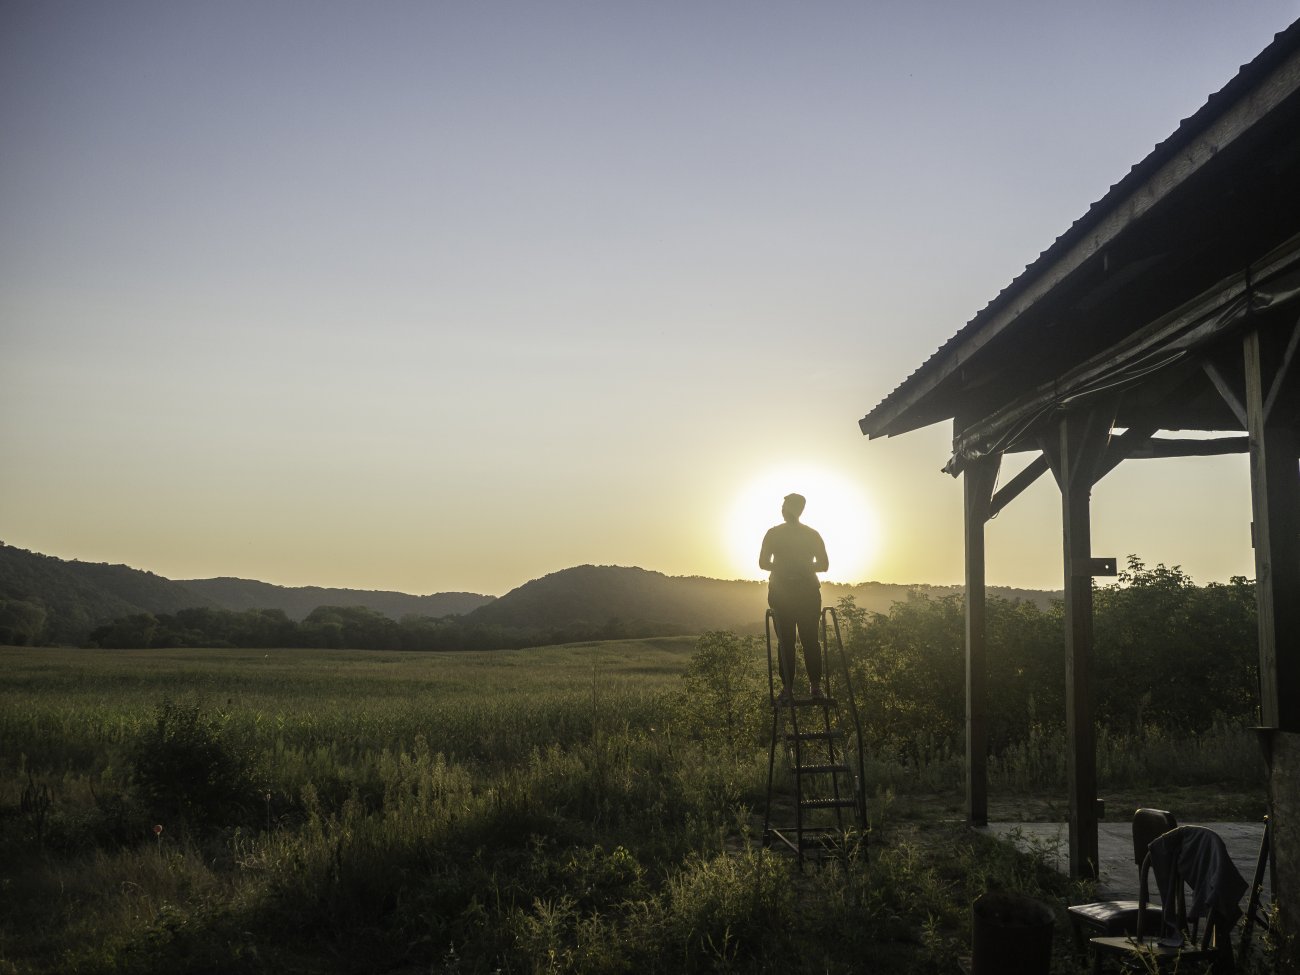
(448, 295)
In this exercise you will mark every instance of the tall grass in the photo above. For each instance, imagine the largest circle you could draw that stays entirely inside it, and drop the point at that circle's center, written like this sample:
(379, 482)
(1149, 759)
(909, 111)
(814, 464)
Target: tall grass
(514, 811)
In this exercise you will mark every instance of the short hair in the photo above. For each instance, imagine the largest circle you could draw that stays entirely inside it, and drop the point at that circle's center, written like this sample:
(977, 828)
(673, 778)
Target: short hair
(796, 502)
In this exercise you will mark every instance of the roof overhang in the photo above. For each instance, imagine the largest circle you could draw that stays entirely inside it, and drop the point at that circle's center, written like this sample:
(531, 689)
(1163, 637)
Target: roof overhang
(1195, 239)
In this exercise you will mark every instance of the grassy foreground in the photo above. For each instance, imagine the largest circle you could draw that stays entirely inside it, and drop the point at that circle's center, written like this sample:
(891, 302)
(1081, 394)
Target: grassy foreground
(553, 810)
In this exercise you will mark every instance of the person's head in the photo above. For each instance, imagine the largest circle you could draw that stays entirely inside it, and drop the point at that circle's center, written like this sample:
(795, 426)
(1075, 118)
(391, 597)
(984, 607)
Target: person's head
(792, 507)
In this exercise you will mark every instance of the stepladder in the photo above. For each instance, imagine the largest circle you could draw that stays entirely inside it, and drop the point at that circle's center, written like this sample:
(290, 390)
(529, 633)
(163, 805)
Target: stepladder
(816, 799)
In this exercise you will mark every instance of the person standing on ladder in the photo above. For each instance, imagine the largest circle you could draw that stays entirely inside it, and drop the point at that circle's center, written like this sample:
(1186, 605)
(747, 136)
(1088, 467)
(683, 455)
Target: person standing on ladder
(794, 553)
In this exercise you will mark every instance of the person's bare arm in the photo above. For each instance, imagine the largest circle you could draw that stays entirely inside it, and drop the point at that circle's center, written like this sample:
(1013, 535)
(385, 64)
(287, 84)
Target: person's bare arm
(765, 553)
(820, 562)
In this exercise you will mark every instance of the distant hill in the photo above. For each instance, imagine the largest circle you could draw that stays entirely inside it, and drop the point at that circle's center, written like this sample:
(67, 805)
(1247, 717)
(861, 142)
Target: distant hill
(71, 598)
(596, 594)
(78, 596)
(297, 602)
(64, 600)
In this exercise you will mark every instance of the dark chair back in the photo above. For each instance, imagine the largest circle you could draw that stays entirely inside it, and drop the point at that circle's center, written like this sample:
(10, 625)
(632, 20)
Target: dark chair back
(1147, 825)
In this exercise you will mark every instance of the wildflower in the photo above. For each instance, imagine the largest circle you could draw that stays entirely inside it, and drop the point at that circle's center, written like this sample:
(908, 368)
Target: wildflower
(157, 830)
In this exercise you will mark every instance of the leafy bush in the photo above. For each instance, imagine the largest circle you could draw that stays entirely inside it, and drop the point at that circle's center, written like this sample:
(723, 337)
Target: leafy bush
(1173, 654)
(193, 769)
(722, 699)
(1168, 655)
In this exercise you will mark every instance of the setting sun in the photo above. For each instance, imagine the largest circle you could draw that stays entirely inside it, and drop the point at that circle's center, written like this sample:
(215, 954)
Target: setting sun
(837, 508)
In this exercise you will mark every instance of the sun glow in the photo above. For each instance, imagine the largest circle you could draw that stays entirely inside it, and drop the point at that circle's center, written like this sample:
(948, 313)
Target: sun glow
(836, 507)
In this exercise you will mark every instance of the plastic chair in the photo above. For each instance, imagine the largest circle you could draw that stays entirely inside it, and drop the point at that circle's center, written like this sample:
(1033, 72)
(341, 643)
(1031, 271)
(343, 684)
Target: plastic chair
(1195, 857)
(1102, 918)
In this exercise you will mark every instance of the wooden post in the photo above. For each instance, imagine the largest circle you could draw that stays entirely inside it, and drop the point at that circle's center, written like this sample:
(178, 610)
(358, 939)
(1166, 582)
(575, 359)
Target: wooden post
(1271, 425)
(1275, 501)
(978, 481)
(1079, 456)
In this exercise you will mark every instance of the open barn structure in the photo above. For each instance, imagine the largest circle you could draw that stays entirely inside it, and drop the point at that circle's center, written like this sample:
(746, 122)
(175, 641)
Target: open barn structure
(1170, 309)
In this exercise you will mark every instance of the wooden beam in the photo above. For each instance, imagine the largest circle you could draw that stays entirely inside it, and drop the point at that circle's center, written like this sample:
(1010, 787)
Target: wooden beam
(1035, 469)
(1283, 751)
(1275, 502)
(1227, 390)
(1122, 447)
(977, 485)
(1161, 447)
(1084, 436)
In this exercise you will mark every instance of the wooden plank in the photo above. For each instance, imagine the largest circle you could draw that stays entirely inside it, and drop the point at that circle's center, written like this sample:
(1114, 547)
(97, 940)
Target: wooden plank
(1129, 204)
(1275, 502)
(977, 485)
(1160, 447)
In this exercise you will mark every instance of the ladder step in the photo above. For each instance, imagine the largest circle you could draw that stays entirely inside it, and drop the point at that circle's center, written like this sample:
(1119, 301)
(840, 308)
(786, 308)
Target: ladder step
(807, 702)
(819, 769)
(813, 836)
(829, 803)
(815, 736)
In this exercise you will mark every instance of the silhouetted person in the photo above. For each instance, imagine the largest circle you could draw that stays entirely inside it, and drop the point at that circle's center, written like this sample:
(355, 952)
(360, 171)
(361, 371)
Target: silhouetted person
(794, 554)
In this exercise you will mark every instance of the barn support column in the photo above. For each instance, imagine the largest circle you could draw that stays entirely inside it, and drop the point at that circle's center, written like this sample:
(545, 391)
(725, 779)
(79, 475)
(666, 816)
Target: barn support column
(978, 481)
(1077, 459)
(1271, 421)
(1275, 502)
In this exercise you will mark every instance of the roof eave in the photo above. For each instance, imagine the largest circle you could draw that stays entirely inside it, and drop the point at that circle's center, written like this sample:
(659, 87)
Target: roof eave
(1260, 88)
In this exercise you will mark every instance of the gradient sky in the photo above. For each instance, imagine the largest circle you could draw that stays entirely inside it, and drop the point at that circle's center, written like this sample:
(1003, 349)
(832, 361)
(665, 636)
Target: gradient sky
(439, 296)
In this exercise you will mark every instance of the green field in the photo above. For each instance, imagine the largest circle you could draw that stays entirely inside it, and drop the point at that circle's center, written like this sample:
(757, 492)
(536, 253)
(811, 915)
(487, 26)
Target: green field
(61, 707)
(577, 808)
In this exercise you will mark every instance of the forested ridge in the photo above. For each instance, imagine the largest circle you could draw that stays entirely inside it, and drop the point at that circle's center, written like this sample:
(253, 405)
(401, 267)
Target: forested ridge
(44, 599)
(49, 600)
(1168, 653)
(297, 602)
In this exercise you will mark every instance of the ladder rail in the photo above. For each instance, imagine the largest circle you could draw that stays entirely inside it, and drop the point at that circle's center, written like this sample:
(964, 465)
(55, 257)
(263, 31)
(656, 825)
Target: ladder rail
(768, 622)
(829, 614)
(798, 779)
(776, 717)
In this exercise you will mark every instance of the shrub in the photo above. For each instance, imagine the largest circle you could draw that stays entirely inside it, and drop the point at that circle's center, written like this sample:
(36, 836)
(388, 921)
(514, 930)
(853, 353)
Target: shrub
(193, 769)
(722, 701)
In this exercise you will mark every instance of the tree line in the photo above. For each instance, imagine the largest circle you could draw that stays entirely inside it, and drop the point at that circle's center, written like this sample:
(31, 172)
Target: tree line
(347, 627)
(1168, 654)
